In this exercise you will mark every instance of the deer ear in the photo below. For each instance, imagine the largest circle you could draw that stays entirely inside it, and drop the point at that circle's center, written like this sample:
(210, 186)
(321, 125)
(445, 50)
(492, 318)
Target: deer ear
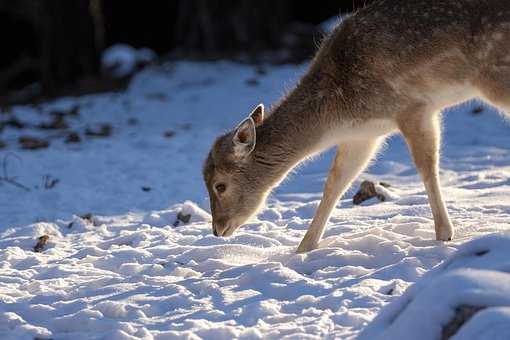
(258, 114)
(245, 138)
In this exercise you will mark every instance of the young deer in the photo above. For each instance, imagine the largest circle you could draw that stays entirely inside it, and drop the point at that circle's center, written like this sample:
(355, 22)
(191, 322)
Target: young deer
(392, 66)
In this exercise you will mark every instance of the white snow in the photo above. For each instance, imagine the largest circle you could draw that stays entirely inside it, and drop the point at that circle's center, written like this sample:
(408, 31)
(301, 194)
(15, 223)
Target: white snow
(488, 324)
(478, 274)
(128, 272)
(121, 59)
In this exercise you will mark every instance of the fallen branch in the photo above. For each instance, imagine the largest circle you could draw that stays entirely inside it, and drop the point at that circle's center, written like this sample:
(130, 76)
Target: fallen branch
(5, 178)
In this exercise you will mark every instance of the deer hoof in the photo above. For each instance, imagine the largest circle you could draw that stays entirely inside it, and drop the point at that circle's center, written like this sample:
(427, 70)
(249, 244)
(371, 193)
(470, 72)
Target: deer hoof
(305, 247)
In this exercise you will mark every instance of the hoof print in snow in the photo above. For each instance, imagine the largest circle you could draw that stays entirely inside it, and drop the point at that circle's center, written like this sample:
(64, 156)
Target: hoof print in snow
(462, 315)
(252, 82)
(12, 122)
(169, 134)
(146, 188)
(41, 242)
(102, 130)
(367, 191)
(481, 252)
(32, 143)
(57, 123)
(72, 137)
(181, 217)
(132, 121)
(185, 126)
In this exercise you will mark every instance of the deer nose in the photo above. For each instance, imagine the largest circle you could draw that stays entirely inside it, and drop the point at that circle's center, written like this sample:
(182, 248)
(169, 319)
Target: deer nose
(219, 226)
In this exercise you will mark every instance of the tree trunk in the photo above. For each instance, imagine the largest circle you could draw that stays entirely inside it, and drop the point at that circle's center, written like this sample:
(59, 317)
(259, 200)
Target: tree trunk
(69, 39)
(68, 44)
(214, 27)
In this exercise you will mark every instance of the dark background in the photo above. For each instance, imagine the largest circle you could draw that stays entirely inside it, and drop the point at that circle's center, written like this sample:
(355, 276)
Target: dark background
(57, 44)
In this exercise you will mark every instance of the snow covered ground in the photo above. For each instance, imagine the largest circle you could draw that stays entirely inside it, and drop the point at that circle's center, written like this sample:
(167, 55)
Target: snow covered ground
(465, 297)
(131, 270)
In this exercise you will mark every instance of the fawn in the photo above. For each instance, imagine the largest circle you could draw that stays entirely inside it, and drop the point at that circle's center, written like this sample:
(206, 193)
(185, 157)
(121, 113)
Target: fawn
(390, 67)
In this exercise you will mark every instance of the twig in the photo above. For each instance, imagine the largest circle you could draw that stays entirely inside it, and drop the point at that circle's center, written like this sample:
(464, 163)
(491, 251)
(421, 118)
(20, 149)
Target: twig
(11, 180)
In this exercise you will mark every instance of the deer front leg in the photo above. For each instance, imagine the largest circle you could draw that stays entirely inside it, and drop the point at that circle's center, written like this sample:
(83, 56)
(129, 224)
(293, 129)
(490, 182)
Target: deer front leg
(422, 133)
(351, 159)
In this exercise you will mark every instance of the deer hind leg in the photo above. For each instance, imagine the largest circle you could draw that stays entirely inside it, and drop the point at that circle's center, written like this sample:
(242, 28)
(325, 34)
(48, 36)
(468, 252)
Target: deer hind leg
(421, 131)
(351, 159)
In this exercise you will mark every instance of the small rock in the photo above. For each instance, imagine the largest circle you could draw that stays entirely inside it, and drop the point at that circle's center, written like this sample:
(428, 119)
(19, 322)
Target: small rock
(366, 192)
(146, 188)
(57, 123)
(384, 184)
(87, 216)
(32, 143)
(41, 242)
(462, 315)
(72, 137)
(181, 217)
(12, 122)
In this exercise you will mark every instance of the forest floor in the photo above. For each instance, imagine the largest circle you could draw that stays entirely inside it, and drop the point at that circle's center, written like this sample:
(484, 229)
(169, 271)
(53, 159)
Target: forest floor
(119, 264)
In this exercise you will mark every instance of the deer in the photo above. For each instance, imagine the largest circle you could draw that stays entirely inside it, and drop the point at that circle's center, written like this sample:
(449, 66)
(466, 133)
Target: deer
(390, 67)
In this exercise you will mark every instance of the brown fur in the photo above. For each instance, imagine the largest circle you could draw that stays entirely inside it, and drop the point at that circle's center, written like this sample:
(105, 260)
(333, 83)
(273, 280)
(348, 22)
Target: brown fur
(392, 66)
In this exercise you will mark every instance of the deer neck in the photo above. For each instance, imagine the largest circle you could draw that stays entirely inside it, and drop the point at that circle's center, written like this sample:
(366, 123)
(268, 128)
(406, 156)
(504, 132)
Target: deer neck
(291, 133)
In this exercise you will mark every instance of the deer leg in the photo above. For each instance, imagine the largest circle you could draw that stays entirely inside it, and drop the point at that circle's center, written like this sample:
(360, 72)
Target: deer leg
(422, 133)
(351, 158)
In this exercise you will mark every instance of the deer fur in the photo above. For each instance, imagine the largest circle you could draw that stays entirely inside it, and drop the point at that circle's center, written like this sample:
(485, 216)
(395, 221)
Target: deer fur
(390, 67)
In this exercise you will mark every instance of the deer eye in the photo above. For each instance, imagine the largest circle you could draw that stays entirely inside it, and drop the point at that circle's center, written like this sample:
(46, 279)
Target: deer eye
(220, 188)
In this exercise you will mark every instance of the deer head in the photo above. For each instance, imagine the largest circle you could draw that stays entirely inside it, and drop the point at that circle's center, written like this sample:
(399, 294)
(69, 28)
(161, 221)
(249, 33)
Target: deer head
(236, 182)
